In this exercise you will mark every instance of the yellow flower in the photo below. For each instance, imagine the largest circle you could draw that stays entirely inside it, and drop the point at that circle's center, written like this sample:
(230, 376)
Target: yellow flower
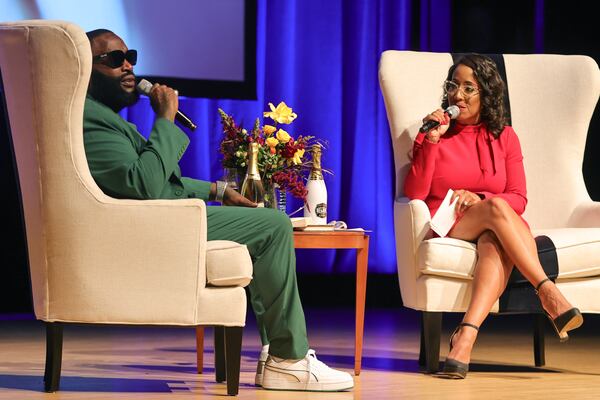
(269, 129)
(272, 142)
(282, 114)
(283, 136)
(298, 156)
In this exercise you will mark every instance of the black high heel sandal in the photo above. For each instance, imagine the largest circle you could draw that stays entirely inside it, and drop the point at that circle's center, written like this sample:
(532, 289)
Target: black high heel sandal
(454, 369)
(565, 322)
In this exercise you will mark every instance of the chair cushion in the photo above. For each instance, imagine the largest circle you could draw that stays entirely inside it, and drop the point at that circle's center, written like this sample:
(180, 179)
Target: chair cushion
(449, 257)
(228, 264)
(577, 250)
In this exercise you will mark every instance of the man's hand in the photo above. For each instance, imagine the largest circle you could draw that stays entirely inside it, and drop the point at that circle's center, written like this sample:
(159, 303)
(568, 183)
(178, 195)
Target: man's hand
(233, 198)
(164, 101)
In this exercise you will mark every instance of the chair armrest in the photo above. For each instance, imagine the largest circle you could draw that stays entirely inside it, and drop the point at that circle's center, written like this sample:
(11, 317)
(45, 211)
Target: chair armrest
(411, 226)
(585, 215)
(412, 218)
(149, 255)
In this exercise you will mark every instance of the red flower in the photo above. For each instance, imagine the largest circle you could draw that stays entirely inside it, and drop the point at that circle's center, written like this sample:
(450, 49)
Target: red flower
(289, 150)
(292, 182)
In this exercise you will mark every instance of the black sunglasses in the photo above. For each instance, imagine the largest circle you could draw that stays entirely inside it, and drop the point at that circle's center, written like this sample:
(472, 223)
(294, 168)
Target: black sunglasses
(116, 58)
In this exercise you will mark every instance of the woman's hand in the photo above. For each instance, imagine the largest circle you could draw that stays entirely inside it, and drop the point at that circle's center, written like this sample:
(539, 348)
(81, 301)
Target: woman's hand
(440, 116)
(465, 200)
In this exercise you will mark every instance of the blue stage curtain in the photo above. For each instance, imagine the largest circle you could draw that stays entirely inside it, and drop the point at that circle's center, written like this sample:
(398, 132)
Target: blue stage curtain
(321, 58)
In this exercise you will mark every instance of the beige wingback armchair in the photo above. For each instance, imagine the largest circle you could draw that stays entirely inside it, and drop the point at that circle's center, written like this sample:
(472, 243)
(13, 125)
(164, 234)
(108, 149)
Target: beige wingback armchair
(552, 99)
(95, 259)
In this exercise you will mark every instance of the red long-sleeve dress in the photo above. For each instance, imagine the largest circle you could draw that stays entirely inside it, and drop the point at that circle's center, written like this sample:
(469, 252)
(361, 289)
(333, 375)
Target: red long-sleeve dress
(468, 157)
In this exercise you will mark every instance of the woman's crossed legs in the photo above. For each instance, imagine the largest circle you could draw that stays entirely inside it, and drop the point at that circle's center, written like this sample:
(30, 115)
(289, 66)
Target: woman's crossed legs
(503, 240)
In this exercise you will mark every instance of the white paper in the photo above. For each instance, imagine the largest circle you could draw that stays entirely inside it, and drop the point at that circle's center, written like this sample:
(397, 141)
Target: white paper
(445, 216)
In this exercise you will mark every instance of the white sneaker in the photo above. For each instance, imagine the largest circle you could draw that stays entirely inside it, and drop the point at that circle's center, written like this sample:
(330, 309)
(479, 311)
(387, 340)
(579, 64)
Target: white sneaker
(260, 367)
(307, 374)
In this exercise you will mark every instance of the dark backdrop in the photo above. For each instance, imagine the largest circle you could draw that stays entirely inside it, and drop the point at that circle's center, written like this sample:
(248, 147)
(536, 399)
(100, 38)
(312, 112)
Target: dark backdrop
(533, 26)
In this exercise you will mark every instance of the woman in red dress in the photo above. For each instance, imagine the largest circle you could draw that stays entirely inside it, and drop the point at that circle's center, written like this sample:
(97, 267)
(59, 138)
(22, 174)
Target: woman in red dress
(479, 157)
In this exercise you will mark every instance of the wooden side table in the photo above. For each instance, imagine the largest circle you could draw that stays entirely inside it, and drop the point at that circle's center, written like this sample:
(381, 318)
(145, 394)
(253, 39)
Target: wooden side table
(345, 240)
(328, 240)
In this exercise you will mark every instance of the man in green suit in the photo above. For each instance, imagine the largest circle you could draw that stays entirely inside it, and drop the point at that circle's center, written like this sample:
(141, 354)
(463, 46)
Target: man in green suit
(125, 165)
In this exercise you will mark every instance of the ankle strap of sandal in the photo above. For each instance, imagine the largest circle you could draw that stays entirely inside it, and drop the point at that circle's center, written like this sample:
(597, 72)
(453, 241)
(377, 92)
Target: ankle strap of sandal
(469, 325)
(537, 288)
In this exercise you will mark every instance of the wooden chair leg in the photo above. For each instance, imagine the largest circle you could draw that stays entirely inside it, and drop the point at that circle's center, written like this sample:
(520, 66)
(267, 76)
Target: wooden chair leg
(539, 351)
(430, 340)
(54, 340)
(220, 373)
(200, 349)
(233, 353)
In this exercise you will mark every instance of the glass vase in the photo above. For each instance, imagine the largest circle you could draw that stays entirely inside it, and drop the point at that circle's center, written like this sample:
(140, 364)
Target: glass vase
(270, 194)
(232, 177)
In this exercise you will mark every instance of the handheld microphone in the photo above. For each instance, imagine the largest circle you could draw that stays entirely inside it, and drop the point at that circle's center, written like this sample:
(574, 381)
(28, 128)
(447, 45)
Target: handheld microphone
(452, 111)
(144, 87)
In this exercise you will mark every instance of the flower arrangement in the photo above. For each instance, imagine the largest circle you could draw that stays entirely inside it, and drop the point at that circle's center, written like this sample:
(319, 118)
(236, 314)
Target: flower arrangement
(281, 158)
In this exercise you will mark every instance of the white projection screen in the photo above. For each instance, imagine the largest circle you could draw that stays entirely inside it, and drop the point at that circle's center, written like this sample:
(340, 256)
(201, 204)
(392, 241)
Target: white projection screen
(204, 48)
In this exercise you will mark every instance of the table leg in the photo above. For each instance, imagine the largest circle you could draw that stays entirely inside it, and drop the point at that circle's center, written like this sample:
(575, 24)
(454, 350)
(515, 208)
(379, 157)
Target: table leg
(200, 348)
(362, 258)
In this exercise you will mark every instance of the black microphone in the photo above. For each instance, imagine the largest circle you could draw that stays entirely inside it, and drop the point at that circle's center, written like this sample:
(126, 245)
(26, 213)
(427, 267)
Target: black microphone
(452, 111)
(144, 87)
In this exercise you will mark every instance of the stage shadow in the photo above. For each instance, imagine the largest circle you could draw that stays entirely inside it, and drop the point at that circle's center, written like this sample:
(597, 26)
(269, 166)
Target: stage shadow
(395, 364)
(86, 384)
(179, 369)
(183, 368)
(399, 362)
(250, 352)
(481, 367)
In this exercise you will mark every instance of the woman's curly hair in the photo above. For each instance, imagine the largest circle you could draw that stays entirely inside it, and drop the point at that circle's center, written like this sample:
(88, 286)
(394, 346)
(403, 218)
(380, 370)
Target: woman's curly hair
(491, 90)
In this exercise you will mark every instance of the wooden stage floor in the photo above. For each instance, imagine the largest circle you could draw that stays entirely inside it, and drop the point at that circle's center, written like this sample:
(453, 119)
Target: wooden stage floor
(159, 363)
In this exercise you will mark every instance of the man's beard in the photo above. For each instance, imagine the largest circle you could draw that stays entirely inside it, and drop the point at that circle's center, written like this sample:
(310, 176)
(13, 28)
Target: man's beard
(109, 91)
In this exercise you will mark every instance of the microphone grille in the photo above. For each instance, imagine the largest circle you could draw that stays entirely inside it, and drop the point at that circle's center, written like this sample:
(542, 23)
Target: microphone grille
(453, 111)
(144, 87)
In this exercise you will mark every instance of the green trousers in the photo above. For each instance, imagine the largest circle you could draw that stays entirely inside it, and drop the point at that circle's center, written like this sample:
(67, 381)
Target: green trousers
(273, 290)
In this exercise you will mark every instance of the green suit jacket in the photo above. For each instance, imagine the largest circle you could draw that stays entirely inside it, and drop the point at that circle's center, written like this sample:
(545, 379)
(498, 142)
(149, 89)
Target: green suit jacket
(126, 165)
